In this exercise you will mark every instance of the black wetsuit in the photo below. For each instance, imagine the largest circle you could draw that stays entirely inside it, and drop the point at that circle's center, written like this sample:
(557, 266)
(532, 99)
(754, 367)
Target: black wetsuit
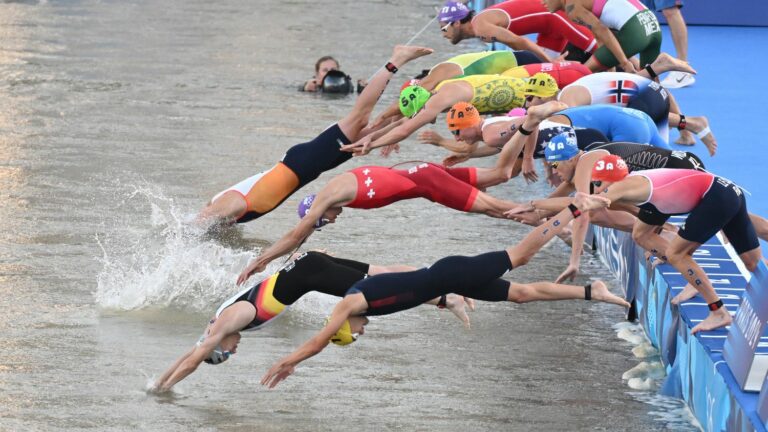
(312, 271)
(642, 156)
(475, 277)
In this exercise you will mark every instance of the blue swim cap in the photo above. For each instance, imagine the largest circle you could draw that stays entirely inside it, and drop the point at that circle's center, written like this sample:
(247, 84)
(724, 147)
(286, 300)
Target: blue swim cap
(561, 147)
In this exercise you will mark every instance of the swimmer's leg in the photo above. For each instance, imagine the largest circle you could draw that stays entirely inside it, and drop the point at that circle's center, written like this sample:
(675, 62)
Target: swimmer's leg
(680, 256)
(761, 226)
(548, 291)
(357, 119)
(224, 210)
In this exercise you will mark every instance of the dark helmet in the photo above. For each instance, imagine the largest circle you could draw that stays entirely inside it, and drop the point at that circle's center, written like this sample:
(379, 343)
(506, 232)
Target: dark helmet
(336, 81)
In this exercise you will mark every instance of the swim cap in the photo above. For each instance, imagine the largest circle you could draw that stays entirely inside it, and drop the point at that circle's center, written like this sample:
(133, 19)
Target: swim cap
(412, 100)
(304, 206)
(453, 11)
(561, 147)
(409, 82)
(461, 116)
(516, 112)
(344, 336)
(541, 84)
(336, 81)
(610, 168)
(218, 356)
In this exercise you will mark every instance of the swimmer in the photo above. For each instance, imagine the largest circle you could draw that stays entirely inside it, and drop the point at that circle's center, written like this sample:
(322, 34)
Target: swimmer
(508, 23)
(637, 30)
(713, 203)
(369, 187)
(488, 94)
(477, 277)
(253, 307)
(574, 167)
(302, 163)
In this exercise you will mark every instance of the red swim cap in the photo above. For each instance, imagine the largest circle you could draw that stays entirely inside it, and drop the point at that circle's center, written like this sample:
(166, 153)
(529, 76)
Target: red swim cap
(610, 168)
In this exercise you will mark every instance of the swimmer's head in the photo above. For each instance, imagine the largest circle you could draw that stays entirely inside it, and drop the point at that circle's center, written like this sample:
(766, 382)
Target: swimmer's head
(223, 351)
(542, 85)
(462, 115)
(452, 15)
(609, 169)
(561, 147)
(336, 81)
(303, 209)
(349, 331)
(412, 100)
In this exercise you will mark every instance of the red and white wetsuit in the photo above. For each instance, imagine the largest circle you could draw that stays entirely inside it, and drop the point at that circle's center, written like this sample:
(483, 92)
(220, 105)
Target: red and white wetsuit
(676, 191)
(554, 29)
(380, 186)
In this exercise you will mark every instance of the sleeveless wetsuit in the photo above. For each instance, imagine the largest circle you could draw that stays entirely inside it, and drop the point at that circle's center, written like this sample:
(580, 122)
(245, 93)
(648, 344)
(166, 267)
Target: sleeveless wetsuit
(380, 186)
(312, 271)
(643, 157)
(554, 30)
(629, 90)
(616, 123)
(714, 203)
(475, 277)
(563, 72)
(491, 62)
(300, 165)
(492, 93)
(635, 27)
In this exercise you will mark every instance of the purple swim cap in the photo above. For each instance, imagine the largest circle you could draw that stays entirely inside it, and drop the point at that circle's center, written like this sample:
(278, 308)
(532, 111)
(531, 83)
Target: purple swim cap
(304, 206)
(516, 112)
(453, 11)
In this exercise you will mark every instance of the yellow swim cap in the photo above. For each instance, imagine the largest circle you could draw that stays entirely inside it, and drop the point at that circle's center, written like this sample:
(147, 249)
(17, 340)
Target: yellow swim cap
(344, 336)
(541, 85)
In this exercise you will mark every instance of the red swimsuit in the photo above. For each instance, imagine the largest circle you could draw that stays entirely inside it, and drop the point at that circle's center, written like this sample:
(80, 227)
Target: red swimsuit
(381, 186)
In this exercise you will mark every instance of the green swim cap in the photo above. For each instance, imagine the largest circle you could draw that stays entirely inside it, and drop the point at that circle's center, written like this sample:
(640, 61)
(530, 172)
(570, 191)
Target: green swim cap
(412, 100)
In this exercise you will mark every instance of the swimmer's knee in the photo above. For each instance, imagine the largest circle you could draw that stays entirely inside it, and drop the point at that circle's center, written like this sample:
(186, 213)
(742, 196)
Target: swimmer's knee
(519, 293)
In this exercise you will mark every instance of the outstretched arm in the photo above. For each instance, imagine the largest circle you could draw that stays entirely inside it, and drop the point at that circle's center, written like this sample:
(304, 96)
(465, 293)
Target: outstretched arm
(490, 32)
(350, 305)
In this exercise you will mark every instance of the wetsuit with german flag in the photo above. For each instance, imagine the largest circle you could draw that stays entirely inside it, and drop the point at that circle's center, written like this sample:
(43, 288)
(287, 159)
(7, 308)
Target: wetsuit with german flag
(312, 271)
(565, 72)
(492, 93)
(380, 186)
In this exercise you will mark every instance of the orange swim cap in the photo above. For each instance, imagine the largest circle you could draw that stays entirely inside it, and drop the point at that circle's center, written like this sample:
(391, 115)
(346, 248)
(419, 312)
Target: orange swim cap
(462, 115)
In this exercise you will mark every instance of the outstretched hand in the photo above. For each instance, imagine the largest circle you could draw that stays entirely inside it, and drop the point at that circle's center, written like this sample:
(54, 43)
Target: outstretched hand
(455, 158)
(253, 267)
(278, 372)
(529, 171)
(359, 148)
(570, 273)
(586, 202)
(387, 150)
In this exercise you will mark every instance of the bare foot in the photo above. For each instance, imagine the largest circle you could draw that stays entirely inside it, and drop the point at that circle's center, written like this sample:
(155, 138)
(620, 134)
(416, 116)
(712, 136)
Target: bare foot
(687, 293)
(541, 112)
(716, 319)
(700, 126)
(686, 138)
(402, 54)
(600, 293)
(665, 63)
(457, 304)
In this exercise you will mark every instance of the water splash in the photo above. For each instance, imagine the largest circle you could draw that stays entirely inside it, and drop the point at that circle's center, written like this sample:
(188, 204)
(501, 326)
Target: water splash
(164, 260)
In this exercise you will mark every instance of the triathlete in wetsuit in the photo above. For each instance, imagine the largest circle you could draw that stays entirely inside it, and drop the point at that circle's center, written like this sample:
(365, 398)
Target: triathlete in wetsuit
(253, 307)
(616, 123)
(713, 203)
(302, 163)
(476, 276)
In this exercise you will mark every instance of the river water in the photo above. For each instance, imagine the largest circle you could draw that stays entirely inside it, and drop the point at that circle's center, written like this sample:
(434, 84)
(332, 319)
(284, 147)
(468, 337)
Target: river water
(120, 119)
